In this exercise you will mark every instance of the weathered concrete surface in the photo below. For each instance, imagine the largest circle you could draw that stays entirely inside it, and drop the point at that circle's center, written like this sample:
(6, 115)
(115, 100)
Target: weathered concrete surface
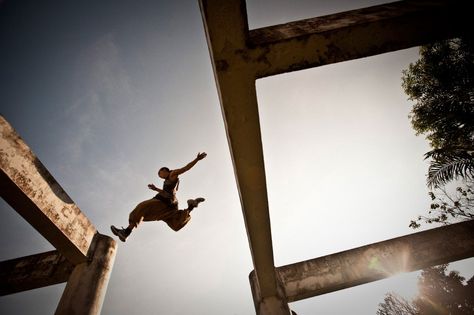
(240, 56)
(226, 27)
(269, 305)
(35, 271)
(354, 34)
(33, 192)
(85, 290)
(377, 261)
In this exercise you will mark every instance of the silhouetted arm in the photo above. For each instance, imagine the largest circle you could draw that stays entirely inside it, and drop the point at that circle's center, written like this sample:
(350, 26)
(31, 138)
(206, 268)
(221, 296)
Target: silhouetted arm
(153, 187)
(179, 171)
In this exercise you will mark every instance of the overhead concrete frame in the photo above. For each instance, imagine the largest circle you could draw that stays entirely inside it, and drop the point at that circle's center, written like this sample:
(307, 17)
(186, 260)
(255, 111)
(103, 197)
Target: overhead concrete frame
(239, 56)
(83, 257)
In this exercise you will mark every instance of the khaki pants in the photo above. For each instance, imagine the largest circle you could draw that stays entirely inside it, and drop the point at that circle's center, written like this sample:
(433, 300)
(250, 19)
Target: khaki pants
(156, 210)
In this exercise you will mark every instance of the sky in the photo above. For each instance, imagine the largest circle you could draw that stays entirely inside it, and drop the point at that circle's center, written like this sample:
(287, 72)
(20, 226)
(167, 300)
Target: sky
(106, 92)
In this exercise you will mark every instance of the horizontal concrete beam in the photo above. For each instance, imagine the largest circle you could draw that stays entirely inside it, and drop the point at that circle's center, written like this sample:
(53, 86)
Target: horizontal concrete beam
(35, 271)
(377, 261)
(33, 192)
(354, 34)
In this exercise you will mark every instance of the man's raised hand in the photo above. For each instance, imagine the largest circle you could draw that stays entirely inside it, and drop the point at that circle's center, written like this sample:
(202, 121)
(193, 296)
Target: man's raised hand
(201, 156)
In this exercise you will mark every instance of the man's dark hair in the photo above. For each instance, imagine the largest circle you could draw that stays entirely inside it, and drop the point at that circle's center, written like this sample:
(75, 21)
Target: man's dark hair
(164, 168)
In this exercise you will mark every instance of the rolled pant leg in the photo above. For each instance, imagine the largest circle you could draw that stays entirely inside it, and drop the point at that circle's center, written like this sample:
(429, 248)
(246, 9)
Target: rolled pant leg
(148, 210)
(178, 219)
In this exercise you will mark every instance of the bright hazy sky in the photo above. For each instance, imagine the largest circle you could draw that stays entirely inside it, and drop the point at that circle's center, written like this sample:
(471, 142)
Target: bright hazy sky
(106, 92)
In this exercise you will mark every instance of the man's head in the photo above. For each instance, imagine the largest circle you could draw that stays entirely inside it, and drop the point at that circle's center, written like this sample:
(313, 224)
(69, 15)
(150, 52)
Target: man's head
(164, 172)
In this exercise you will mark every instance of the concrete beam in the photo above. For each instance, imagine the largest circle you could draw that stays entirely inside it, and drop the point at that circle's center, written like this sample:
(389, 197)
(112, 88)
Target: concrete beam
(35, 271)
(377, 261)
(240, 56)
(226, 30)
(354, 34)
(33, 192)
(85, 290)
(269, 305)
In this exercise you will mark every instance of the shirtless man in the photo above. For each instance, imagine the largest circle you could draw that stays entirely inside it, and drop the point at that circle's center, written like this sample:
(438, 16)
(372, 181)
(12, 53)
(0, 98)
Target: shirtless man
(164, 206)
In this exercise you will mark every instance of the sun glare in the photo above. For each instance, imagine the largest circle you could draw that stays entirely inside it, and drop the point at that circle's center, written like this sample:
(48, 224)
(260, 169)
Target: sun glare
(405, 284)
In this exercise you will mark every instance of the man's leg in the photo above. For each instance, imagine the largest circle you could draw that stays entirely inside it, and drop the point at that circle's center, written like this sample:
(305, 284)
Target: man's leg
(193, 203)
(122, 233)
(134, 219)
(148, 210)
(178, 219)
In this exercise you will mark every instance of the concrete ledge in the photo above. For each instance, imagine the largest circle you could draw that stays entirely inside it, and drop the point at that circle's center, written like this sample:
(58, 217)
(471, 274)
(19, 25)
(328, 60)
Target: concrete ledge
(377, 261)
(35, 271)
(354, 34)
(33, 192)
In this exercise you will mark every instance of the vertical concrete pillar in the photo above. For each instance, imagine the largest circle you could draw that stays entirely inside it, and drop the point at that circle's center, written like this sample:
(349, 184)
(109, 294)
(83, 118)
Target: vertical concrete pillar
(86, 287)
(269, 305)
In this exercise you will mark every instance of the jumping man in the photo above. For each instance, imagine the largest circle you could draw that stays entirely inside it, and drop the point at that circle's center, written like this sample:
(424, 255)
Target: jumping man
(164, 206)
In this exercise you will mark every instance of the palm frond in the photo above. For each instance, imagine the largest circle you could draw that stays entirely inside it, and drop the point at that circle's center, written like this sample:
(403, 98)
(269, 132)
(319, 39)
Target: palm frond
(447, 167)
(450, 151)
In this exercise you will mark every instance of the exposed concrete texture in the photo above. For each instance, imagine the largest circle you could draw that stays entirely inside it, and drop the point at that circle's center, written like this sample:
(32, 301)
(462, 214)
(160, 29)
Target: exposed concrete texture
(33, 192)
(270, 305)
(84, 257)
(354, 34)
(86, 287)
(377, 261)
(35, 271)
(240, 56)
(226, 27)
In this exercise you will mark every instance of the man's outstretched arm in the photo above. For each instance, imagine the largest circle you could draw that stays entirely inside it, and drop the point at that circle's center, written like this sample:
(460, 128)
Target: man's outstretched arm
(180, 171)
